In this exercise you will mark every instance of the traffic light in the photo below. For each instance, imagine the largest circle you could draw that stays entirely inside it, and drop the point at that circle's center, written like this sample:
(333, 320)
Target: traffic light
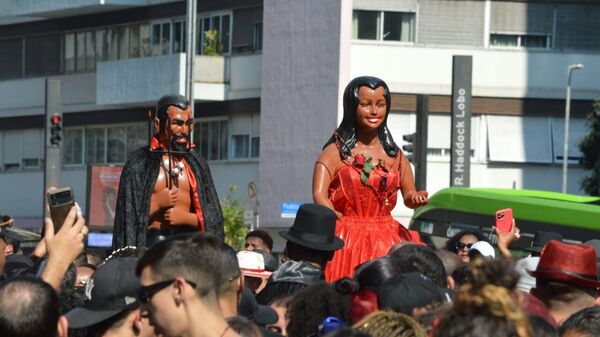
(409, 149)
(55, 130)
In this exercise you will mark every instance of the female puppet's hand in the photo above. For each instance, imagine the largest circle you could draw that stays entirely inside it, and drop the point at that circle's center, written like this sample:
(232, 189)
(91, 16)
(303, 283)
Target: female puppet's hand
(416, 199)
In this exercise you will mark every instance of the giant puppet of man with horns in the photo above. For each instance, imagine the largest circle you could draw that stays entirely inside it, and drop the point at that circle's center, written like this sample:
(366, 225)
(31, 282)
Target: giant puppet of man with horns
(166, 188)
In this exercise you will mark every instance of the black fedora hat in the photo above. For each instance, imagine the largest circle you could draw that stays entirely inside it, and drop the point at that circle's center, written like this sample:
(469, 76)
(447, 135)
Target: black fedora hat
(314, 228)
(541, 238)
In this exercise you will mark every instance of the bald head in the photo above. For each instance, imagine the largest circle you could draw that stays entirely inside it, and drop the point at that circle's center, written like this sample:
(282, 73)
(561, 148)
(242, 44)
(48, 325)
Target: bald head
(28, 307)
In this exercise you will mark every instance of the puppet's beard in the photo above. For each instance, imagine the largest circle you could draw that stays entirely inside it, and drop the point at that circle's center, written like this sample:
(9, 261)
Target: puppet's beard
(178, 145)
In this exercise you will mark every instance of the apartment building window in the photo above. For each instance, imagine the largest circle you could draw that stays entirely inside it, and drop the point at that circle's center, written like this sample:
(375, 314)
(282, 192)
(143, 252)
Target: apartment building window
(42, 55)
(12, 150)
(21, 149)
(161, 38)
(521, 40)
(519, 139)
(383, 26)
(257, 36)
(102, 144)
(245, 136)
(31, 148)
(214, 34)
(211, 137)
(73, 146)
(81, 50)
(255, 145)
(11, 56)
(240, 146)
(179, 36)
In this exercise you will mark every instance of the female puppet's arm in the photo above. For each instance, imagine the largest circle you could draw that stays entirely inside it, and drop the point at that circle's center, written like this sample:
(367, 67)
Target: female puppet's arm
(412, 198)
(322, 177)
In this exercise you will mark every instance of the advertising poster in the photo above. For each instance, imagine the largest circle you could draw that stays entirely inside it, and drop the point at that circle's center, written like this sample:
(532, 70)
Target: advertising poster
(102, 194)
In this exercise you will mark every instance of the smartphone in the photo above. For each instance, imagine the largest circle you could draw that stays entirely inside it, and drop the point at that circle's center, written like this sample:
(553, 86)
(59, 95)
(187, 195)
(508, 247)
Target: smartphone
(60, 202)
(504, 219)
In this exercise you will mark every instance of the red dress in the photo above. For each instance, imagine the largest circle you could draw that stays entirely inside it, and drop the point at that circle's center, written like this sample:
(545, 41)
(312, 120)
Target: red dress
(367, 226)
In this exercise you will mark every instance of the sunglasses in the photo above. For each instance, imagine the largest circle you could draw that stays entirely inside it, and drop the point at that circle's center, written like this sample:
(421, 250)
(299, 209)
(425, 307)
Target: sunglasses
(460, 245)
(145, 293)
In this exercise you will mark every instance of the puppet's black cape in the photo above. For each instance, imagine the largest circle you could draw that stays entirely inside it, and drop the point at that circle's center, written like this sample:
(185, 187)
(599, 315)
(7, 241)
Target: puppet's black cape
(135, 189)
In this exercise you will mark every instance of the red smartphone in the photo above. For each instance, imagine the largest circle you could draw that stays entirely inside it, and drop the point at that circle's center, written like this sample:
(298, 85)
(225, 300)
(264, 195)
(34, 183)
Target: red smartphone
(504, 219)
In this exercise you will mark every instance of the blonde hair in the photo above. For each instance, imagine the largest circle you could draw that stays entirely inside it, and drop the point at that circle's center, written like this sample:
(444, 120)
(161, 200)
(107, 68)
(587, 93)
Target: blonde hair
(390, 324)
(490, 294)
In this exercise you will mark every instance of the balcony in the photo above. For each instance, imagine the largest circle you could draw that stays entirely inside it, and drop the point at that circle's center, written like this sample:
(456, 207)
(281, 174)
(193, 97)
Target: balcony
(143, 80)
(59, 8)
(496, 72)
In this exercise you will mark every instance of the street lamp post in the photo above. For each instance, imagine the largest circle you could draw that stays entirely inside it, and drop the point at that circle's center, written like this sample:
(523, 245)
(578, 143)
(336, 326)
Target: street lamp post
(567, 117)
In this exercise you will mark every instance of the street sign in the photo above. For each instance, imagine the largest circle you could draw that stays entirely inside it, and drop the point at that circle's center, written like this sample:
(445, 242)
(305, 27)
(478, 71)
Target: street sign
(289, 209)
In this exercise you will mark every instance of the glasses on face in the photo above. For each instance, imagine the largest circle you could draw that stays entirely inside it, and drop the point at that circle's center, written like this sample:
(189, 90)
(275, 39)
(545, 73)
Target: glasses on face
(145, 293)
(461, 245)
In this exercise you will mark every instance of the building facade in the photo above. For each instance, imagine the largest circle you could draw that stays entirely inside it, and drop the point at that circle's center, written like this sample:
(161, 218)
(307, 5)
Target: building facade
(267, 84)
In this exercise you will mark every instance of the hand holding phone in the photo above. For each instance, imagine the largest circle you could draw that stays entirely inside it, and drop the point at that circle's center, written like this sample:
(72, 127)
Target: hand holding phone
(504, 220)
(60, 202)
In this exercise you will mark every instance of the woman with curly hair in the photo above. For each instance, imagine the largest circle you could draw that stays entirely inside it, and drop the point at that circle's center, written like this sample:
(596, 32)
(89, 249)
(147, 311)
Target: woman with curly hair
(462, 241)
(390, 324)
(485, 306)
(311, 305)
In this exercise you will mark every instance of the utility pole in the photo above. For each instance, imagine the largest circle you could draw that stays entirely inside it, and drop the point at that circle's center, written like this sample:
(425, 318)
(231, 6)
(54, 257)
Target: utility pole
(421, 142)
(567, 118)
(53, 136)
(190, 52)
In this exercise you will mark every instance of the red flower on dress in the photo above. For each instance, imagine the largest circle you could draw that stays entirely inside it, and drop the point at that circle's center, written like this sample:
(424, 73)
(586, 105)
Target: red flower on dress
(360, 159)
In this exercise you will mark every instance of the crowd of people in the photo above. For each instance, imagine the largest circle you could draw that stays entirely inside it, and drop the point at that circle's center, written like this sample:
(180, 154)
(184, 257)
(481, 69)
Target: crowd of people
(196, 285)
(348, 267)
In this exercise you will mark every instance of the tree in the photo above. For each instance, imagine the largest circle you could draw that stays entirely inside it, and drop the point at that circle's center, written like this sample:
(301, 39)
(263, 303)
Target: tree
(590, 147)
(233, 219)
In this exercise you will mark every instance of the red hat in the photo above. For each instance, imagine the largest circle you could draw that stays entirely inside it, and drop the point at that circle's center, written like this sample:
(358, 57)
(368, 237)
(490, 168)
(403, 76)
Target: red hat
(568, 263)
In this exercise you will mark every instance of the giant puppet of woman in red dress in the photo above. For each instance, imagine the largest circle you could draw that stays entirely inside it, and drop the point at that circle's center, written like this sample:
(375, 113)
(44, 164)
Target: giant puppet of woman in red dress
(358, 175)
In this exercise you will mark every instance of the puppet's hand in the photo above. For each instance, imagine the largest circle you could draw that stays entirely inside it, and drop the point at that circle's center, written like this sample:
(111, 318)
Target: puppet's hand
(416, 199)
(178, 216)
(166, 198)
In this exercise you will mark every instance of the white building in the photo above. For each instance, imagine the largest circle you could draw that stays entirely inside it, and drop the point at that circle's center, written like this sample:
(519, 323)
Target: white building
(266, 105)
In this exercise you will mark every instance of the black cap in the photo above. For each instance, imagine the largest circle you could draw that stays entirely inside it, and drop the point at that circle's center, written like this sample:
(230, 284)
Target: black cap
(541, 238)
(271, 263)
(112, 290)
(259, 314)
(406, 292)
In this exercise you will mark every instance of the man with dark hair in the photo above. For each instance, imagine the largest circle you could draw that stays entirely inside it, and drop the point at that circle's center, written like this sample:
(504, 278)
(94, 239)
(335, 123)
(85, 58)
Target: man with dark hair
(584, 323)
(451, 263)
(566, 279)
(180, 281)
(166, 188)
(111, 308)
(29, 308)
(311, 242)
(259, 239)
(415, 258)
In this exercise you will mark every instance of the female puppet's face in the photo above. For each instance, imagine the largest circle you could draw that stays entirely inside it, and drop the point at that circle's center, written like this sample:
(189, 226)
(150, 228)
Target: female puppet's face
(371, 109)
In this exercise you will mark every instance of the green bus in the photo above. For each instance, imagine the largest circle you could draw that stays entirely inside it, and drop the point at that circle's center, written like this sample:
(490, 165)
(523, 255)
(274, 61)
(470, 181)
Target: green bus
(454, 209)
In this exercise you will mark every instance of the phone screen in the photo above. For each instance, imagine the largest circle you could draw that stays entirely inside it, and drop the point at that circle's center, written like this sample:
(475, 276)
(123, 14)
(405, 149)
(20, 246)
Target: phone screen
(60, 198)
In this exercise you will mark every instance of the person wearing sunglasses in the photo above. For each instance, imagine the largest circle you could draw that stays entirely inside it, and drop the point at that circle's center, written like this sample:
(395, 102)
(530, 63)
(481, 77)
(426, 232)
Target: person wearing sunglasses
(462, 241)
(112, 307)
(179, 282)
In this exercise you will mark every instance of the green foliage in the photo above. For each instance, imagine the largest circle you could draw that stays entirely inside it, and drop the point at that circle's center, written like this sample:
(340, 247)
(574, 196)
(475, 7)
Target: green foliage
(212, 43)
(590, 148)
(233, 218)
